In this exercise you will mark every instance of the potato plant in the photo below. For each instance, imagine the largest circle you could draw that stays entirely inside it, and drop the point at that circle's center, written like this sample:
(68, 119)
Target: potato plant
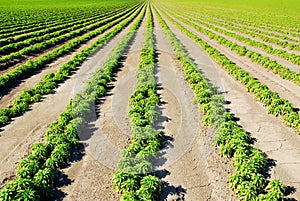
(51, 80)
(35, 174)
(134, 178)
(248, 181)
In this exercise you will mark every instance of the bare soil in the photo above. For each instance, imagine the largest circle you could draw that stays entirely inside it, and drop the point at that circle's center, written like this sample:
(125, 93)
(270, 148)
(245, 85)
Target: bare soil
(188, 166)
(281, 144)
(260, 40)
(108, 134)
(17, 137)
(286, 89)
(8, 96)
(279, 60)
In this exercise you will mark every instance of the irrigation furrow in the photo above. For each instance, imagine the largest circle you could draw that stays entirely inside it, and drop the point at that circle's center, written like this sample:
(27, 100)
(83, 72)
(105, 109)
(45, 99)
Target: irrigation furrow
(16, 143)
(251, 116)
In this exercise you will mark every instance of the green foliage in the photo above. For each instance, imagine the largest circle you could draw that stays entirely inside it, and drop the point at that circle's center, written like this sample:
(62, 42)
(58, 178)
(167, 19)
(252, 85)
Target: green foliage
(248, 182)
(134, 177)
(35, 174)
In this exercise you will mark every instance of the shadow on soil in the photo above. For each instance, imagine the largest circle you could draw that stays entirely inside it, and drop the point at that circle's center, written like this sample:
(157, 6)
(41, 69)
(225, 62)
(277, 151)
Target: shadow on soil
(266, 172)
(61, 179)
(167, 188)
(85, 134)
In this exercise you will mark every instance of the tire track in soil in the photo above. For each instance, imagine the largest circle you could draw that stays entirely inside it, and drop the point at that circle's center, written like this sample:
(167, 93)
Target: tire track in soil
(280, 143)
(17, 138)
(109, 134)
(188, 164)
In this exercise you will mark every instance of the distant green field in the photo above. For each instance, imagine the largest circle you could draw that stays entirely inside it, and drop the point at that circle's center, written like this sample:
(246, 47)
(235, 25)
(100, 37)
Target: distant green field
(280, 12)
(28, 11)
(60, 3)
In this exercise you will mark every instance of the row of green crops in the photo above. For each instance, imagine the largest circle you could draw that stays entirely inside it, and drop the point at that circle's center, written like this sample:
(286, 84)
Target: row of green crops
(249, 28)
(276, 105)
(134, 178)
(62, 33)
(255, 34)
(57, 25)
(35, 174)
(243, 29)
(30, 66)
(19, 15)
(51, 80)
(92, 29)
(268, 14)
(292, 57)
(266, 62)
(247, 182)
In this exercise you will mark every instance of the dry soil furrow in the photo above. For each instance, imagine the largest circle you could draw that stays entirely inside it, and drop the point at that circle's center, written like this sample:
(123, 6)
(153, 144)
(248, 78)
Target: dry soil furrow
(279, 60)
(12, 64)
(17, 137)
(286, 89)
(242, 26)
(186, 166)
(274, 45)
(53, 67)
(108, 135)
(267, 33)
(280, 143)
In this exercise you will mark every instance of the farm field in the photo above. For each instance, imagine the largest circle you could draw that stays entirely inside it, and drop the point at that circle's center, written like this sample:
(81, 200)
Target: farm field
(150, 100)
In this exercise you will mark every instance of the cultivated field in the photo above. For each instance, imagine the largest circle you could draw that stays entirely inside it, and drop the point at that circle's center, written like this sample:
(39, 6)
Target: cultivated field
(150, 100)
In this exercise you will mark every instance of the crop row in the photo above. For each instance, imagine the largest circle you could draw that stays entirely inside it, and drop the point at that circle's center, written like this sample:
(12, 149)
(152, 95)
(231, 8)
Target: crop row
(134, 177)
(281, 30)
(51, 80)
(36, 173)
(60, 26)
(42, 24)
(248, 181)
(30, 66)
(276, 105)
(266, 62)
(294, 58)
(246, 30)
(57, 36)
(256, 30)
(37, 48)
(48, 18)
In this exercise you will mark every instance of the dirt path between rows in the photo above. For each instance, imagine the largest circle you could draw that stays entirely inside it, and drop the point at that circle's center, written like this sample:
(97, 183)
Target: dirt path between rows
(286, 89)
(109, 133)
(274, 45)
(278, 59)
(188, 165)
(17, 137)
(6, 67)
(53, 67)
(279, 142)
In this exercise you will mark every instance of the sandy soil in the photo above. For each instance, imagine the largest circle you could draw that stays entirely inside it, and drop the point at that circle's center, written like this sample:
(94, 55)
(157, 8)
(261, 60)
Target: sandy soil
(109, 133)
(9, 66)
(279, 142)
(286, 89)
(279, 60)
(188, 166)
(17, 137)
(8, 96)
(274, 45)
